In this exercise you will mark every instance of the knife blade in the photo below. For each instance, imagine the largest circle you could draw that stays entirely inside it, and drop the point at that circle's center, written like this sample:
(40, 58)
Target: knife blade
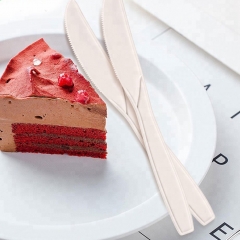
(127, 68)
(199, 205)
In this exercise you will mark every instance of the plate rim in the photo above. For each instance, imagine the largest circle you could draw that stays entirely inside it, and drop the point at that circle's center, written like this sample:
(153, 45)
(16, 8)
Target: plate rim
(109, 228)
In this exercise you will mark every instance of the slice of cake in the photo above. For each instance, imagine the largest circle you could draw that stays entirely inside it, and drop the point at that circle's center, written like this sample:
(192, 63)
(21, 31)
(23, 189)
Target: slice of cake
(47, 106)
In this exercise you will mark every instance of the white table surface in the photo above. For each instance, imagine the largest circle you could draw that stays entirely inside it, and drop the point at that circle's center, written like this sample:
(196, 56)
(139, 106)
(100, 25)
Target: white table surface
(222, 181)
(213, 25)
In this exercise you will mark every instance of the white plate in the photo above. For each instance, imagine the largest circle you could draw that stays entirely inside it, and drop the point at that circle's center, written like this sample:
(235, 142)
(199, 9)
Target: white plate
(59, 197)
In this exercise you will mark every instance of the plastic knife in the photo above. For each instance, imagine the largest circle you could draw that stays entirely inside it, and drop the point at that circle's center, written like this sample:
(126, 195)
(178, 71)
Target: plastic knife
(93, 59)
(126, 65)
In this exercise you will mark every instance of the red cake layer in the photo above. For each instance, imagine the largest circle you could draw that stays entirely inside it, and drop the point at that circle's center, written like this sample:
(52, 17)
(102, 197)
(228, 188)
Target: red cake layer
(60, 140)
(37, 149)
(21, 128)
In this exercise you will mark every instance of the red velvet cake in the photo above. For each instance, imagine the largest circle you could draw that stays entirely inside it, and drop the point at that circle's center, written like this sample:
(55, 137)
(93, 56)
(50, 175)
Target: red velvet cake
(47, 106)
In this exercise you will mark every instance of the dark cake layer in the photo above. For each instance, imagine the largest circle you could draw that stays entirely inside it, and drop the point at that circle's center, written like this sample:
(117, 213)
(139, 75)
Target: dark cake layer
(60, 140)
(38, 149)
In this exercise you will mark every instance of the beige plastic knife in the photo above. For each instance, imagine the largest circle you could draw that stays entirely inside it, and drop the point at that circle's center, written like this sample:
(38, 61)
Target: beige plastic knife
(96, 64)
(126, 65)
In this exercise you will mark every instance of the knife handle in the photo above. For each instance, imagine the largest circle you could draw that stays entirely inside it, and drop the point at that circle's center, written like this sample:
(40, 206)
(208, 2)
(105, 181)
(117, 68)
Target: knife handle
(199, 205)
(163, 169)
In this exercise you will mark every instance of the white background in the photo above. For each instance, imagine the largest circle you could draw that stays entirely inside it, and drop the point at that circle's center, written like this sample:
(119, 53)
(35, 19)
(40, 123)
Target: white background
(221, 184)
